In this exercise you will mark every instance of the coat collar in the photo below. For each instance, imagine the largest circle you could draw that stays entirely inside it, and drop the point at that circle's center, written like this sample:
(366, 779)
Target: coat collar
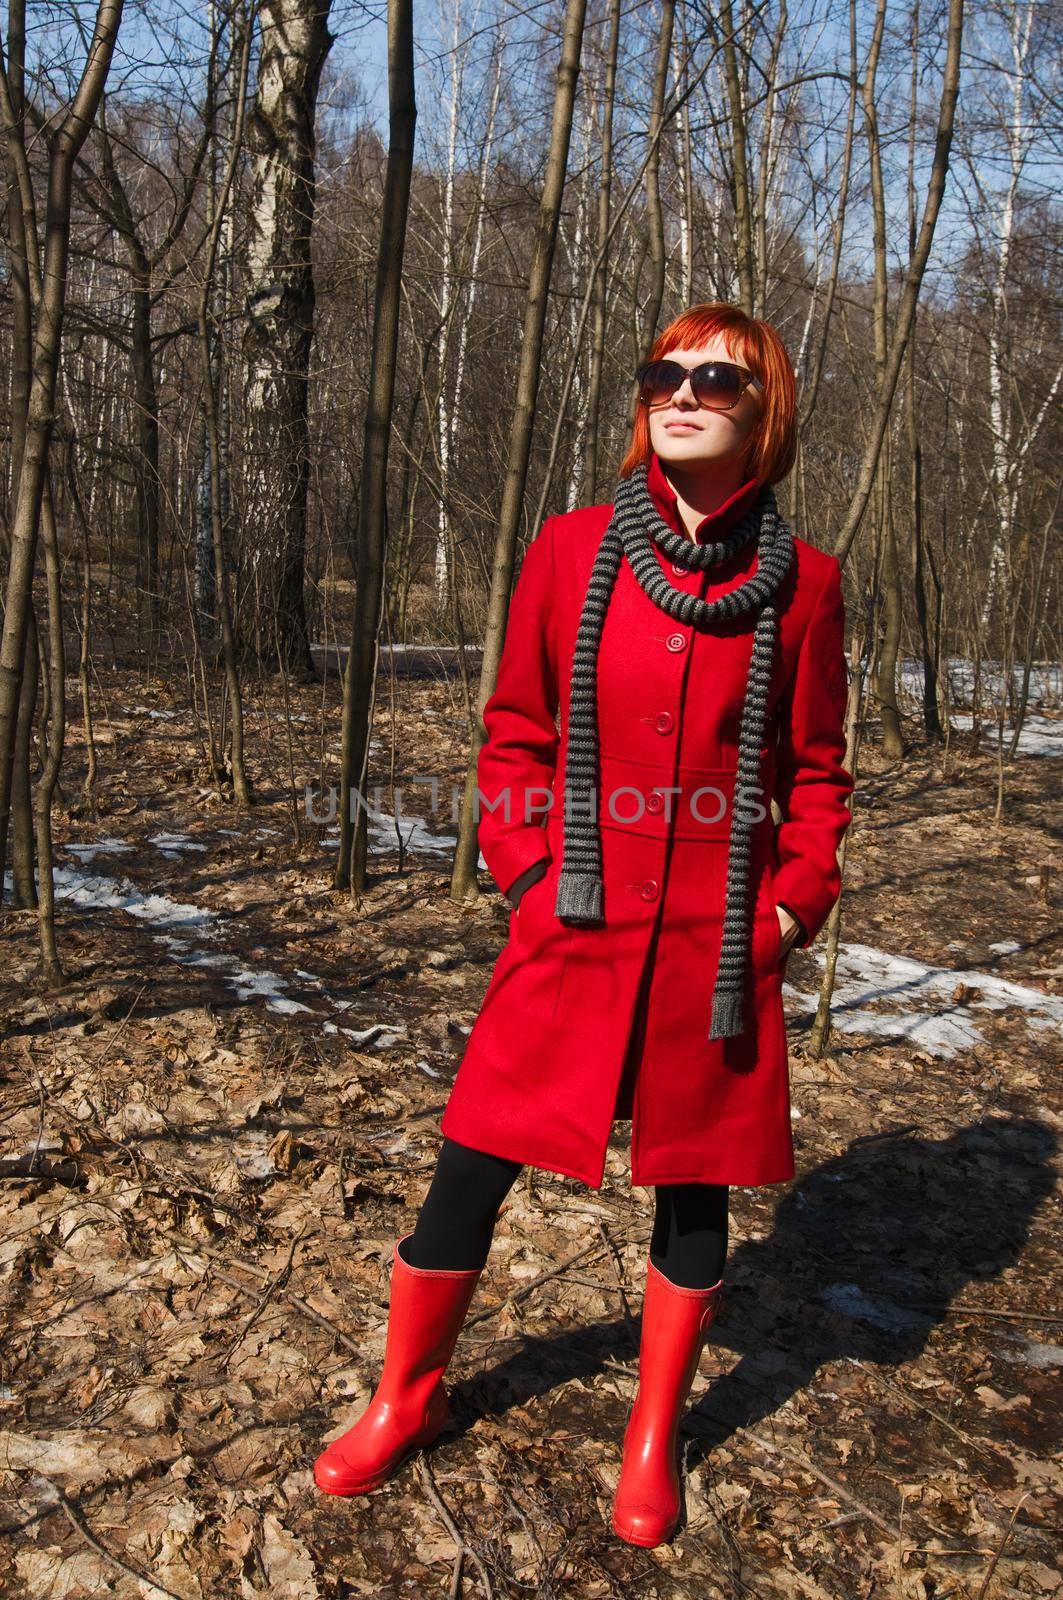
(717, 523)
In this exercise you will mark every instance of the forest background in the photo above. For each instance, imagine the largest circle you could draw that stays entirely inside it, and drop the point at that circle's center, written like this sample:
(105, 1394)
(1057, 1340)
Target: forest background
(311, 314)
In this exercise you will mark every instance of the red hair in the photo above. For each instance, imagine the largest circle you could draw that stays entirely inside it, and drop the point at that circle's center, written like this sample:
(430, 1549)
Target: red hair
(754, 344)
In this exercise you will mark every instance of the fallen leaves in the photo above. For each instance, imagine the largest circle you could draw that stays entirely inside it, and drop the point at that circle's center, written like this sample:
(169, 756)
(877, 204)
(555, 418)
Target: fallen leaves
(204, 1303)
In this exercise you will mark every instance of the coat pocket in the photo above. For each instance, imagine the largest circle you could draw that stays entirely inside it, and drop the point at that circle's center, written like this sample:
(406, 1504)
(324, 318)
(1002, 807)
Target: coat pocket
(526, 910)
(767, 932)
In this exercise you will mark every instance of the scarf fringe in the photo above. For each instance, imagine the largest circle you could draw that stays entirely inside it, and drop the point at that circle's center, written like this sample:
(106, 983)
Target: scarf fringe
(579, 897)
(726, 1014)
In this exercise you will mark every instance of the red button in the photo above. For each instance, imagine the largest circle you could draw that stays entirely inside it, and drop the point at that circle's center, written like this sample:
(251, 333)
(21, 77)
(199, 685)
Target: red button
(664, 722)
(655, 802)
(649, 890)
(677, 568)
(676, 641)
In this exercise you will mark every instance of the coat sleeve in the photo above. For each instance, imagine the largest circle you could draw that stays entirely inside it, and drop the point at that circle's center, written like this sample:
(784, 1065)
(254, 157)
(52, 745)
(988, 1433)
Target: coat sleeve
(812, 786)
(515, 769)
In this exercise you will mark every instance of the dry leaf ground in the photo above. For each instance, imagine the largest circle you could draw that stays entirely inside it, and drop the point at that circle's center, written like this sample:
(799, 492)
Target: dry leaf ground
(214, 1133)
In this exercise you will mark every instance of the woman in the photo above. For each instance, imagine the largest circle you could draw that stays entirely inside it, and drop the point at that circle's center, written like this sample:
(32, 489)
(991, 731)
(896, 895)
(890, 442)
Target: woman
(694, 651)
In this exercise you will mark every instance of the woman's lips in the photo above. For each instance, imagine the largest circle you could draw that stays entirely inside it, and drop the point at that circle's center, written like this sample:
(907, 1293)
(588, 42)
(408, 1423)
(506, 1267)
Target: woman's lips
(691, 426)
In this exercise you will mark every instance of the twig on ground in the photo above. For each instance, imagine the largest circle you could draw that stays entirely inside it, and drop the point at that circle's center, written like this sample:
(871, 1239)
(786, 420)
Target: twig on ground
(275, 1283)
(593, 1251)
(614, 1257)
(76, 1521)
(451, 1526)
(999, 1551)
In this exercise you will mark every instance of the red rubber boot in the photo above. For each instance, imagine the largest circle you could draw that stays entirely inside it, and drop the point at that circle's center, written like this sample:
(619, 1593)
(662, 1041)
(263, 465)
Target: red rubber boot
(425, 1315)
(674, 1324)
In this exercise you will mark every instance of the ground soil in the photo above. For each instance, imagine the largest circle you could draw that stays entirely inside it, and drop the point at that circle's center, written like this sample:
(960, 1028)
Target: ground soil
(215, 1130)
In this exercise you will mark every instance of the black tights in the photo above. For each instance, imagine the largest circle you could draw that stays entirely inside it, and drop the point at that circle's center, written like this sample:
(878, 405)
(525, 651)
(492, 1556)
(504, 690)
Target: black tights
(456, 1222)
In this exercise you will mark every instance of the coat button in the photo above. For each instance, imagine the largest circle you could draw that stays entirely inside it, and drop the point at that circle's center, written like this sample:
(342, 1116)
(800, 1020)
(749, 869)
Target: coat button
(676, 641)
(649, 890)
(655, 802)
(678, 569)
(664, 722)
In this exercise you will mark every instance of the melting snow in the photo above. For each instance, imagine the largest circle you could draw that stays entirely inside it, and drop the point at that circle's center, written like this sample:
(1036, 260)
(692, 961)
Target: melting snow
(377, 1037)
(849, 1300)
(171, 917)
(1029, 1353)
(381, 835)
(898, 997)
(1040, 736)
(260, 984)
(171, 844)
(1046, 679)
(118, 894)
(102, 847)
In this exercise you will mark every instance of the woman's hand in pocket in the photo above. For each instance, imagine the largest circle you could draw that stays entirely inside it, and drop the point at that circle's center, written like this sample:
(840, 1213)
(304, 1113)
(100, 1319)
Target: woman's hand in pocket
(790, 930)
(530, 875)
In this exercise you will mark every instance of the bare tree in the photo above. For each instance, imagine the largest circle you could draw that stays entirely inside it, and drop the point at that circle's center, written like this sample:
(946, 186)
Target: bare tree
(47, 291)
(280, 304)
(902, 327)
(359, 678)
(463, 878)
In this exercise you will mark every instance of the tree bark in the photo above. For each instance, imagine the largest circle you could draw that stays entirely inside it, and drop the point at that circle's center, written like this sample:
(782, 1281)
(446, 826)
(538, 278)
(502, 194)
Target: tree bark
(280, 303)
(64, 145)
(359, 677)
(463, 879)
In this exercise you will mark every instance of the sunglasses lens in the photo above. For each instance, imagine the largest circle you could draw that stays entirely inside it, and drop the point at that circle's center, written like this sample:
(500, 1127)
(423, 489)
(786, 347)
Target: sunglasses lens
(658, 380)
(716, 383)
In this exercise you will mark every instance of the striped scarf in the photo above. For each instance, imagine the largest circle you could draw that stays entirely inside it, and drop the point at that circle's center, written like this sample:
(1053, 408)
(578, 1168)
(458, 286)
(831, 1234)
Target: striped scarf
(636, 526)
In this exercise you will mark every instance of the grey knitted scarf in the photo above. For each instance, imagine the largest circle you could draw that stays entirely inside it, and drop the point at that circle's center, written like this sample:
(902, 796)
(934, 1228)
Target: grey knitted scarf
(636, 522)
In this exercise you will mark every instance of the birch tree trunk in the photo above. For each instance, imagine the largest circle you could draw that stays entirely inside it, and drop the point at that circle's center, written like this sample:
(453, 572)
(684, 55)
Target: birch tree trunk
(280, 135)
(601, 273)
(740, 187)
(654, 211)
(463, 879)
(902, 327)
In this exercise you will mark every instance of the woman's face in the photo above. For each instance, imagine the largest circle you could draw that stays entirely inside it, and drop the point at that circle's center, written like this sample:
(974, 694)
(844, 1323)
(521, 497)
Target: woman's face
(692, 436)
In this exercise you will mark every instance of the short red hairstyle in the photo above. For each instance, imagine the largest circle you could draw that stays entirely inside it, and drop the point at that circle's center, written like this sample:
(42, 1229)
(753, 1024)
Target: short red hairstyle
(754, 344)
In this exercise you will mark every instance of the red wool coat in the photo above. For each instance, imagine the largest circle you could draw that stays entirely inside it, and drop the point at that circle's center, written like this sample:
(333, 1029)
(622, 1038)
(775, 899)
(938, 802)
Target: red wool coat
(583, 1025)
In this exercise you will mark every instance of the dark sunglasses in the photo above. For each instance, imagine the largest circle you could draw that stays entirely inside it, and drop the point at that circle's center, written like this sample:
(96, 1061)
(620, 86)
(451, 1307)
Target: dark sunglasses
(717, 385)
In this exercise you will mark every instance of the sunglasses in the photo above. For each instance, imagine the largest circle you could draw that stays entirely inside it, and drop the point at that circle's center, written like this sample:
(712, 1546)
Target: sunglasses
(717, 385)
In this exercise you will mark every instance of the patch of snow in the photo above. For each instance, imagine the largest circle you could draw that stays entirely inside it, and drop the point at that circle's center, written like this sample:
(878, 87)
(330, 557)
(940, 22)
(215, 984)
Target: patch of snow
(1005, 947)
(1040, 736)
(415, 832)
(118, 894)
(102, 847)
(898, 997)
(377, 1037)
(1046, 680)
(171, 844)
(1029, 1353)
(849, 1300)
(248, 985)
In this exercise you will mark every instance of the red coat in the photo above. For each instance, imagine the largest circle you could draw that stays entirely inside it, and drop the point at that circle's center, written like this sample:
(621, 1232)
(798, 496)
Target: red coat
(565, 1040)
